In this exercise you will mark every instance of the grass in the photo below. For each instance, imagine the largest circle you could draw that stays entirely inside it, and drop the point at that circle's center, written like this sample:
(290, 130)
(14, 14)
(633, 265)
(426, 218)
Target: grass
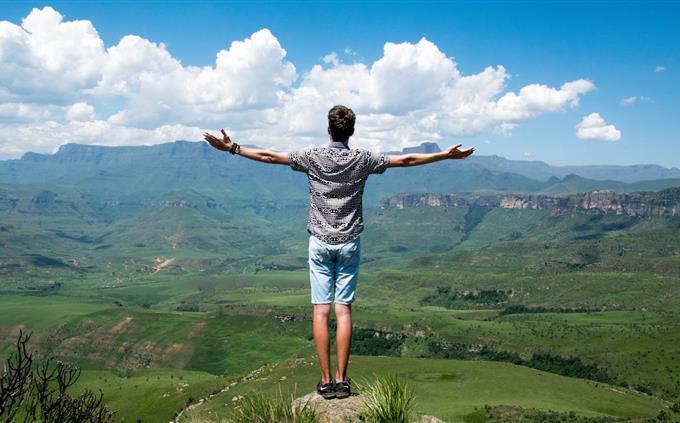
(258, 408)
(387, 400)
(150, 395)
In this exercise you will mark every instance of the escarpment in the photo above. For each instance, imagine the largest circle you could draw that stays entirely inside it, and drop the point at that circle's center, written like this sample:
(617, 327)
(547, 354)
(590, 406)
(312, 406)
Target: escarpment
(664, 203)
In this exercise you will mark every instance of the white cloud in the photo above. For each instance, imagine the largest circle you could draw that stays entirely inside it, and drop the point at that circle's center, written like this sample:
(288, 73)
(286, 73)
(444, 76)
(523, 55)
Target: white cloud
(505, 129)
(409, 77)
(80, 111)
(59, 83)
(594, 127)
(628, 101)
(348, 51)
(535, 99)
(331, 59)
(660, 69)
(47, 59)
(13, 113)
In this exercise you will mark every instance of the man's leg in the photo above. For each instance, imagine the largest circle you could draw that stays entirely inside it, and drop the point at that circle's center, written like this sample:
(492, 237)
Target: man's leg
(321, 270)
(346, 275)
(343, 317)
(322, 340)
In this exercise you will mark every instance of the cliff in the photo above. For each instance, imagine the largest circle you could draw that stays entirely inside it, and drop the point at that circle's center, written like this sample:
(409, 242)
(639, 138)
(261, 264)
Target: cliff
(640, 204)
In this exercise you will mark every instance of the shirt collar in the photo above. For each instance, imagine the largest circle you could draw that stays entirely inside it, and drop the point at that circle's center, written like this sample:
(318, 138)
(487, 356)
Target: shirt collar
(338, 144)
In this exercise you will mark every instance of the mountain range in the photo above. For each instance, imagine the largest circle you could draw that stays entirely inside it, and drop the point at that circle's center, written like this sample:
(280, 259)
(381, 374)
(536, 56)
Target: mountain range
(150, 172)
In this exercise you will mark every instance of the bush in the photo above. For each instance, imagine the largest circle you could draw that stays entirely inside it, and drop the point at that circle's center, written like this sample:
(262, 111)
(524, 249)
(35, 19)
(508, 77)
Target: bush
(387, 400)
(374, 342)
(37, 391)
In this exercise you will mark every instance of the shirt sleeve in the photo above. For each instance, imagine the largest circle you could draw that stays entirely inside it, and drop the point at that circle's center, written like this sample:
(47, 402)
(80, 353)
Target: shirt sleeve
(299, 160)
(377, 162)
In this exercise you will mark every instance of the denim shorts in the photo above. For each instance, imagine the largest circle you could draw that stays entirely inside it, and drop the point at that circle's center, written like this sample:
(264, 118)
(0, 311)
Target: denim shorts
(333, 271)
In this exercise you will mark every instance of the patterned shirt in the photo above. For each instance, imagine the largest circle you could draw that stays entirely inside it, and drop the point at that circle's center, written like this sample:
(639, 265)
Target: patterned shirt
(337, 175)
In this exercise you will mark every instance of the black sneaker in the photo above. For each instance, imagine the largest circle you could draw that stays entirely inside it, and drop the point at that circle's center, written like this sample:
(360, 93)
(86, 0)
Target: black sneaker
(326, 390)
(343, 389)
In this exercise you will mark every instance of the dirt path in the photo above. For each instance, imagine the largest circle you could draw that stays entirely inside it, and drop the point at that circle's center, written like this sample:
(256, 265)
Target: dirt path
(251, 376)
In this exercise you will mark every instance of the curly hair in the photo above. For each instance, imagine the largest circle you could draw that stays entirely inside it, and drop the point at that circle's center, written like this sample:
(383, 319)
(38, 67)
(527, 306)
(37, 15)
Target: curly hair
(341, 123)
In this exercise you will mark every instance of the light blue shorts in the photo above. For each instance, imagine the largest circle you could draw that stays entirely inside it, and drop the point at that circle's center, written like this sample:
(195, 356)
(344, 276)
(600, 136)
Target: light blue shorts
(333, 271)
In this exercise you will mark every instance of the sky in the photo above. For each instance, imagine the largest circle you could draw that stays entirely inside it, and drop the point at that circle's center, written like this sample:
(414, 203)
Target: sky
(568, 83)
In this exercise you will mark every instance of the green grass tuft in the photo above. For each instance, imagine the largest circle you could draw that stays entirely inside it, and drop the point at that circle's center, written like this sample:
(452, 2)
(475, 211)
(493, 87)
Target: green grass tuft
(387, 400)
(258, 408)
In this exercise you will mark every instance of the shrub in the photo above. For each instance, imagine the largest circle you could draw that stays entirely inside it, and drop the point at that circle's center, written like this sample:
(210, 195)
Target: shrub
(387, 400)
(37, 391)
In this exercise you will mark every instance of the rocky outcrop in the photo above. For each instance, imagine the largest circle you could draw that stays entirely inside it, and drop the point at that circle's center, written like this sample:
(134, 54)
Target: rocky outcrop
(331, 411)
(639, 204)
(341, 411)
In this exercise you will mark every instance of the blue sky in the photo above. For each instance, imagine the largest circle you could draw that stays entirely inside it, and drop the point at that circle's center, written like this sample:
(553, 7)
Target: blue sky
(626, 50)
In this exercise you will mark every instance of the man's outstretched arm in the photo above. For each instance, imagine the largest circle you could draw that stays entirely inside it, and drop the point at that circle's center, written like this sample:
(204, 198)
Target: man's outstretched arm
(416, 159)
(260, 154)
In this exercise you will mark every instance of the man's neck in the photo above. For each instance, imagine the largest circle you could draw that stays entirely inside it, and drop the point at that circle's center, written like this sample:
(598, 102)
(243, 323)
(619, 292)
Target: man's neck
(338, 144)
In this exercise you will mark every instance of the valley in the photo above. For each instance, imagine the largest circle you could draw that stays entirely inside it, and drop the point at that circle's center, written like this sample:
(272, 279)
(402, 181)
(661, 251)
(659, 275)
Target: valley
(168, 273)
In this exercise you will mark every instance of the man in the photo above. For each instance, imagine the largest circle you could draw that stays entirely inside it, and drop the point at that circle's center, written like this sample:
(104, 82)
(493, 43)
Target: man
(336, 175)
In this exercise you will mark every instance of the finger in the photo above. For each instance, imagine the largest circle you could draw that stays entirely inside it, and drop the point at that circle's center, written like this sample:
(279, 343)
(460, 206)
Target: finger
(468, 152)
(455, 147)
(226, 137)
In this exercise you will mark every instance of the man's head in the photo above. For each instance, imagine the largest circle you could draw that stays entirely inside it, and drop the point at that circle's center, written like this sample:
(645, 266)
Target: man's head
(341, 123)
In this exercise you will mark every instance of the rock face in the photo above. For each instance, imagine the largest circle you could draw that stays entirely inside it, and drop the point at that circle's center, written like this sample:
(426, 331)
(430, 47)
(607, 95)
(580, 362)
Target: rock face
(638, 204)
(332, 411)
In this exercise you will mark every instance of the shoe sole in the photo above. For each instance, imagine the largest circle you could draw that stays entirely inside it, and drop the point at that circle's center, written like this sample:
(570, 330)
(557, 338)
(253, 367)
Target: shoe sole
(327, 396)
(343, 395)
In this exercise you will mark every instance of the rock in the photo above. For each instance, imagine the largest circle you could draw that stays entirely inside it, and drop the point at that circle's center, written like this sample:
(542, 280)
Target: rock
(341, 410)
(332, 411)
(430, 419)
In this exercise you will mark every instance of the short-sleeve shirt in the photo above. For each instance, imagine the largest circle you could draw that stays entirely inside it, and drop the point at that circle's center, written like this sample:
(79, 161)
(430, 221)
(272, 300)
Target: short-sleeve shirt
(336, 175)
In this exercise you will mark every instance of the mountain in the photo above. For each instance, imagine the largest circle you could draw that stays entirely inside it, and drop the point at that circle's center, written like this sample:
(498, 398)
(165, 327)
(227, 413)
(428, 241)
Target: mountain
(543, 171)
(130, 173)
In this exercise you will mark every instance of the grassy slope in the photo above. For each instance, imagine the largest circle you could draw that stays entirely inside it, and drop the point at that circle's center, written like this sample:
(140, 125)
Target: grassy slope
(451, 389)
(149, 395)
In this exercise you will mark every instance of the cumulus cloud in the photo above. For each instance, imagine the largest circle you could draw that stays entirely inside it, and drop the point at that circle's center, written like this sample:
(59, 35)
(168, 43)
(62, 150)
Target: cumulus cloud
(59, 83)
(47, 59)
(594, 127)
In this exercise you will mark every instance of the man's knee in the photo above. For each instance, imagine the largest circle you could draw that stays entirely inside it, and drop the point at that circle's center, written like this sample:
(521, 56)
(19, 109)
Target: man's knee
(343, 310)
(322, 311)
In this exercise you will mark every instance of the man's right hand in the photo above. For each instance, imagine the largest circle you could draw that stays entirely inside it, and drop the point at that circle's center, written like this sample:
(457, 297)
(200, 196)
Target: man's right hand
(223, 144)
(454, 152)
